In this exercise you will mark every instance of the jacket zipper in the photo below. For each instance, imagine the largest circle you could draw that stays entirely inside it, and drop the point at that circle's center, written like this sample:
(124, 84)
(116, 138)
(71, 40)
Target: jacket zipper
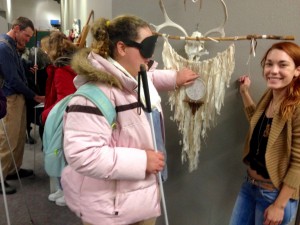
(116, 211)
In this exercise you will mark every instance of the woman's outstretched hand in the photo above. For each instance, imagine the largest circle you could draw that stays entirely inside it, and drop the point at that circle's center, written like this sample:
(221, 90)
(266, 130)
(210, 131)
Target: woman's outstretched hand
(185, 77)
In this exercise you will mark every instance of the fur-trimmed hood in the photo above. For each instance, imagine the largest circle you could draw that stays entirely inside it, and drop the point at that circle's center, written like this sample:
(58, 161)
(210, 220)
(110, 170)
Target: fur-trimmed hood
(94, 69)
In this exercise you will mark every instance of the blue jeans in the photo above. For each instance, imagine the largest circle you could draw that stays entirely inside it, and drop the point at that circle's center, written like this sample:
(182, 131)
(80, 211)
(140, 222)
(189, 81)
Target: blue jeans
(251, 203)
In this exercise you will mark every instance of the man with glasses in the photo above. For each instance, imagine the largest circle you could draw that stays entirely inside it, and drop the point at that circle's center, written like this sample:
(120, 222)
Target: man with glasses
(15, 88)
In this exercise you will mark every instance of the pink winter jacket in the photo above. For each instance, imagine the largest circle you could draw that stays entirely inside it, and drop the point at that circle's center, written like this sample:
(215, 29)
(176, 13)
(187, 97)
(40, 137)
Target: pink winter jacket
(105, 182)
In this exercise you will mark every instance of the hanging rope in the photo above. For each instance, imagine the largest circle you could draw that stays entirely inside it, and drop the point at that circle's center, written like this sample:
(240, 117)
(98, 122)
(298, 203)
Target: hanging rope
(234, 38)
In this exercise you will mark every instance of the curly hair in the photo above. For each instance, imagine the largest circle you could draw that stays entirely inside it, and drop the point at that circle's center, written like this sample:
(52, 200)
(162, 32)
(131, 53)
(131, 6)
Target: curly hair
(45, 44)
(106, 33)
(59, 46)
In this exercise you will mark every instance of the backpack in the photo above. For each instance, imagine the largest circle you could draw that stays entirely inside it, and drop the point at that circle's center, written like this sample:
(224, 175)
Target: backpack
(54, 158)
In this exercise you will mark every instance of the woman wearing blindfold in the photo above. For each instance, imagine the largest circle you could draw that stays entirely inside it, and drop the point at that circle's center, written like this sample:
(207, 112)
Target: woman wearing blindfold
(111, 172)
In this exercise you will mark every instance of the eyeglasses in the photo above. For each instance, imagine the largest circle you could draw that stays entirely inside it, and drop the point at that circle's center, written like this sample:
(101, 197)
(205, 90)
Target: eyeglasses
(146, 47)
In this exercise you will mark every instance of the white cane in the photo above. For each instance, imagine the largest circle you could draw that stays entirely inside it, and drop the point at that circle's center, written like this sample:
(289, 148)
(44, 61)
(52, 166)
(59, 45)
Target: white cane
(143, 74)
(35, 63)
(34, 125)
(21, 185)
(3, 186)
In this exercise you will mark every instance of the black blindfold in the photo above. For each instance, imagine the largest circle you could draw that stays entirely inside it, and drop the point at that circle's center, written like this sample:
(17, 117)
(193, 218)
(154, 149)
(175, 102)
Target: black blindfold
(146, 47)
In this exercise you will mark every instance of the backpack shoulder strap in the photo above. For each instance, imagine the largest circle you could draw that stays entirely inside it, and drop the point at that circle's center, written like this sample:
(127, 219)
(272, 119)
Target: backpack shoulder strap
(94, 94)
(54, 121)
(7, 43)
(11, 48)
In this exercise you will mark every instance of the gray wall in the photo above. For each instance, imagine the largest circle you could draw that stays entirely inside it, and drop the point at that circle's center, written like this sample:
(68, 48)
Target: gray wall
(206, 196)
(40, 12)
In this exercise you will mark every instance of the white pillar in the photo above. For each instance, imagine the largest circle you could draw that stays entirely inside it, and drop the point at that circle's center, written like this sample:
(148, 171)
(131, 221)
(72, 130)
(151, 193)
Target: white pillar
(80, 9)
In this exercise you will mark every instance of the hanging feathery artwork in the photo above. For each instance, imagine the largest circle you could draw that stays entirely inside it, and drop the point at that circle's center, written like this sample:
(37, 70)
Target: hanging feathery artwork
(195, 116)
(197, 107)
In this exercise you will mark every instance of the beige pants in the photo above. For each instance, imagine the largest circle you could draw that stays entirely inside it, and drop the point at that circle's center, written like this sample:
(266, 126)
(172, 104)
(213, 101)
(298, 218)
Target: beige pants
(145, 222)
(15, 129)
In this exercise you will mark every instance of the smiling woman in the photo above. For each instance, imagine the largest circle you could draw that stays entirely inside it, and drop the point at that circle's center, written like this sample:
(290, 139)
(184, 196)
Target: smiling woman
(279, 70)
(273, 142)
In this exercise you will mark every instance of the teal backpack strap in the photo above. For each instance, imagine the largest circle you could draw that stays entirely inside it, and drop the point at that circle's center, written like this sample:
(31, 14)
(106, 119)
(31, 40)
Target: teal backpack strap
(95, 95)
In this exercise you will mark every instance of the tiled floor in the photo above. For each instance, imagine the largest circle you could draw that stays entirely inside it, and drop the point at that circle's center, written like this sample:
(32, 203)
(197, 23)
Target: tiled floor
(30, 205)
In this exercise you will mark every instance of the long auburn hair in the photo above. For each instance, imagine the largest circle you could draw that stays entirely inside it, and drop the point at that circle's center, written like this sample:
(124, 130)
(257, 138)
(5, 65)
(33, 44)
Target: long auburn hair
(292, 98)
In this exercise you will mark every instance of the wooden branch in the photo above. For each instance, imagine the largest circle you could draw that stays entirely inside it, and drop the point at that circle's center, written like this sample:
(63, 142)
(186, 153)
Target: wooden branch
(235, 38)
(85, 30)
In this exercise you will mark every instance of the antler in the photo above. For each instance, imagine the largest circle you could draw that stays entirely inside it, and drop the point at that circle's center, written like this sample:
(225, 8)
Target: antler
(194, 1)
(168, 21)
(219, 29)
